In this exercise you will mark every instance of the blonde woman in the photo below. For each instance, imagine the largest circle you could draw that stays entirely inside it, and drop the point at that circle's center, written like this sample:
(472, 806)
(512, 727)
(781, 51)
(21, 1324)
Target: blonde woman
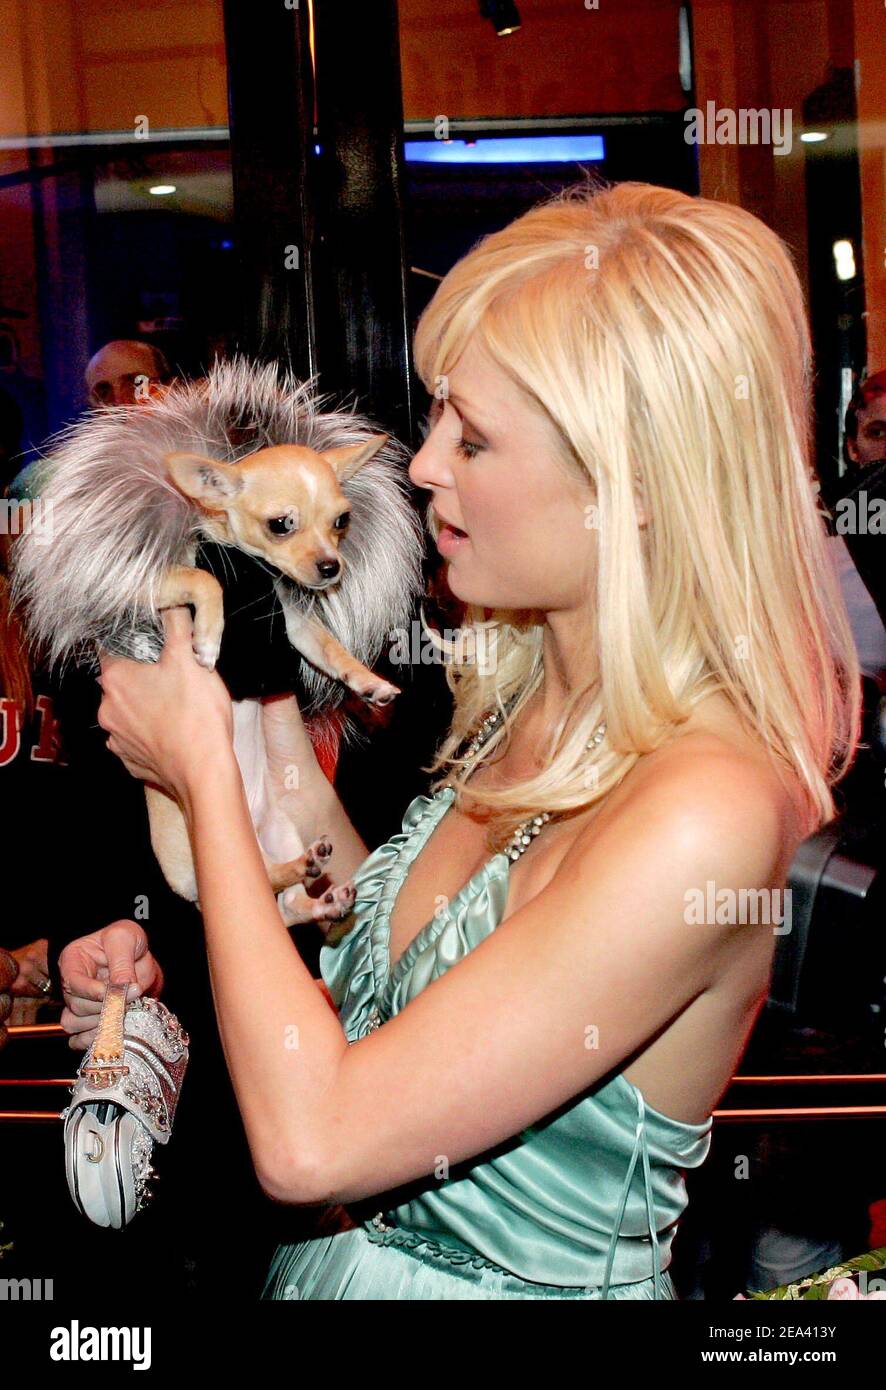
(532, 1030)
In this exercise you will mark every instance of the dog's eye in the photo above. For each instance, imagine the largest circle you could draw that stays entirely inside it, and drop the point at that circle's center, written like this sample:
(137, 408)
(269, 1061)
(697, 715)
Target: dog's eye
(281, 525)
(342, 521)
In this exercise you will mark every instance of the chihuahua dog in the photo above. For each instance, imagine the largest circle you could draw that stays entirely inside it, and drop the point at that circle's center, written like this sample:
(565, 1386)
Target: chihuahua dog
(283, 505)
(246, 460)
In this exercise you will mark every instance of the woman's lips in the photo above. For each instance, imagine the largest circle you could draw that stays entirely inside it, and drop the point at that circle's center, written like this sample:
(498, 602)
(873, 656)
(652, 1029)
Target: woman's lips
(450, 539)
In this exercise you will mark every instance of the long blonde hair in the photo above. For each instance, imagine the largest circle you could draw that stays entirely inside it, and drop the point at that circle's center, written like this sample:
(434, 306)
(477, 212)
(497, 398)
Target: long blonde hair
(665, 337)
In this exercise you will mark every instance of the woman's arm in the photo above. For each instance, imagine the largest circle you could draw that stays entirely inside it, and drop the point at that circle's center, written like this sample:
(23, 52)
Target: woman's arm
(570, 986)
(282, 1043)
(285, 1029)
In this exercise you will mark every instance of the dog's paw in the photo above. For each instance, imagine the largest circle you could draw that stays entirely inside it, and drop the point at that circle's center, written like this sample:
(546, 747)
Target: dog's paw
(374, 690)
(207, 653)
(316, 856)
(297, 907)
(385, 694)
(336, 904)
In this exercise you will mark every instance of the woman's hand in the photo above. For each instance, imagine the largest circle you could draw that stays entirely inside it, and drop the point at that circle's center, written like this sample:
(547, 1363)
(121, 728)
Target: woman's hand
(33, 970)
(168, 718)
(118, 952)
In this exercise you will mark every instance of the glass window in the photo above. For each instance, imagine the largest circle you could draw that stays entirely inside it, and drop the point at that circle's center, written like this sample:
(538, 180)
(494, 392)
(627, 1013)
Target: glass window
(115, 205)
(773, 104)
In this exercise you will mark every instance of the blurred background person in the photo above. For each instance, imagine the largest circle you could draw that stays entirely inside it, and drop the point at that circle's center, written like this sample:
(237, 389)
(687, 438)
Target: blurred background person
(116, 374)
(30, 762)
(857, 554)
(8, 969)
(800, 1225)
(123, 372)
(865, 426)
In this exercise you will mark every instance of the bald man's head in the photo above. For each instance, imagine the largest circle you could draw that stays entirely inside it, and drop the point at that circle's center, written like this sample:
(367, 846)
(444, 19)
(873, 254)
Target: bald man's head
(121, 372)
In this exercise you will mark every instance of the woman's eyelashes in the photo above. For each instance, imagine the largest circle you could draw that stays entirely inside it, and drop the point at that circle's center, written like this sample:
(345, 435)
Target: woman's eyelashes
(467, 447)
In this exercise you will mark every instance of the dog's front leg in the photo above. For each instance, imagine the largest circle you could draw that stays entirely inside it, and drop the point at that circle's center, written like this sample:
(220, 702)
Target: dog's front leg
(323, 651)
(180, 585)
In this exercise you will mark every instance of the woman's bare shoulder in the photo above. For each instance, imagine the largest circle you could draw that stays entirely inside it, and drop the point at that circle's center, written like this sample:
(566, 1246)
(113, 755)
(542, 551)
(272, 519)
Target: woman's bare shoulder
(711, 789)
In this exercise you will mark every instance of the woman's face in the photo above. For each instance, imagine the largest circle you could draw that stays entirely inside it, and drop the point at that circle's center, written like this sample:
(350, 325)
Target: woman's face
(492, 466)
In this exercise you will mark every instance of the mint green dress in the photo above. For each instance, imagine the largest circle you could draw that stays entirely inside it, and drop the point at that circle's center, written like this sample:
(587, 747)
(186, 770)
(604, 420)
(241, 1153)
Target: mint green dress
(582, 1204)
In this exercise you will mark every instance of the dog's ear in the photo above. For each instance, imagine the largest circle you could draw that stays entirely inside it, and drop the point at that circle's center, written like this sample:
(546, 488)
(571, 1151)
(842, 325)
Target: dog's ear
(208, 481)
(346, 461)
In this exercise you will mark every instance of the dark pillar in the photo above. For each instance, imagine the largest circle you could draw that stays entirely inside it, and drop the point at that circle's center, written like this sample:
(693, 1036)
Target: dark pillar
(363, 328)
(271, 104)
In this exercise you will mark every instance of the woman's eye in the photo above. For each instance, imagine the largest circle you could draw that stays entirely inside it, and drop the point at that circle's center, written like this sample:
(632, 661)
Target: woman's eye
(467, 449)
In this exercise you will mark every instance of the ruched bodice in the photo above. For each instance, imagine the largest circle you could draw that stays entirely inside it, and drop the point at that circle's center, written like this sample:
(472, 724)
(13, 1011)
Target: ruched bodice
(586, 1198)
(572, 1199)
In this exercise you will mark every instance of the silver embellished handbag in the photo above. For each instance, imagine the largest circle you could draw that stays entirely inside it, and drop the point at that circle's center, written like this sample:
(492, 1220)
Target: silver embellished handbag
(123, 1102)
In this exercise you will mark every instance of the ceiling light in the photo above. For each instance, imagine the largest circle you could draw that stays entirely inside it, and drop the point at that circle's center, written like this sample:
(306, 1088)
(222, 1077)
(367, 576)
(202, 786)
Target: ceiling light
(162, 190)
(502, 14)
(520, 149)
(844, 260)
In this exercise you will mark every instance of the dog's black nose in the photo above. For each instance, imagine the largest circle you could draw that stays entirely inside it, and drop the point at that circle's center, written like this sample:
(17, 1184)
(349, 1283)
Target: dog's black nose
(328, 569)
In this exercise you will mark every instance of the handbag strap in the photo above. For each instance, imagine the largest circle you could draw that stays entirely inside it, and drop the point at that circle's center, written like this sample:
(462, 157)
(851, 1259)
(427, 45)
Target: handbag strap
(106, 1065)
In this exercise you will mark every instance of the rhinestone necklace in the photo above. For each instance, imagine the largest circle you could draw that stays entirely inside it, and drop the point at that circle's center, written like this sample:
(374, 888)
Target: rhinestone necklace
(524, 834)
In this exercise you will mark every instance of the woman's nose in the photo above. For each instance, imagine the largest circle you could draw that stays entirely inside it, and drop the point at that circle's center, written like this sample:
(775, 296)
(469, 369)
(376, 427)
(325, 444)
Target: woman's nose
(429, 468)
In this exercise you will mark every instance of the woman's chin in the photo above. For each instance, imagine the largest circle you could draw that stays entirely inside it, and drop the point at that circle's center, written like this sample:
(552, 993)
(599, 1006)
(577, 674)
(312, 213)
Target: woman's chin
(465, 592)
(475, 593)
